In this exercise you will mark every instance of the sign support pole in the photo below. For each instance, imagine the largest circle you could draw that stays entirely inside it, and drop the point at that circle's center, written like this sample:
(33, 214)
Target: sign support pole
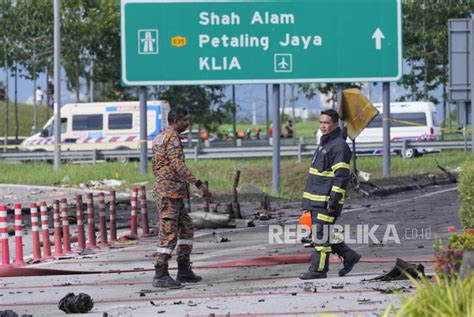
(143, 132)
(57, 91)
(276, 139)
(386, 129)
(471, 73)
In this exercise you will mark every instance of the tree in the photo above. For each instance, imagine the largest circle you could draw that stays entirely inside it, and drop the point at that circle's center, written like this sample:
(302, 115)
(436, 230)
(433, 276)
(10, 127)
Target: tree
(204, 103)
(425, 44)
(34, 40)
(6, 28)
(103, 45)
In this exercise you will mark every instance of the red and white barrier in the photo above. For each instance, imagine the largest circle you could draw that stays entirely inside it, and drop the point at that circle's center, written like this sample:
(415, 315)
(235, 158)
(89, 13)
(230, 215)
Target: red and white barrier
(4, 237)
(102, 221)
(144, 211)
(58, 248)
(66, 231)
(18, 236)
(90, 221)
(35, 232)
(81, 237)
(133, 201)
(113, 217)
(45, 230)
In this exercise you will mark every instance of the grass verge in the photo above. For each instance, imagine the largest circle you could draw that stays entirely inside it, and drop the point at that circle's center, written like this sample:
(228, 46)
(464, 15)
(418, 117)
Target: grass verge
(219, 173)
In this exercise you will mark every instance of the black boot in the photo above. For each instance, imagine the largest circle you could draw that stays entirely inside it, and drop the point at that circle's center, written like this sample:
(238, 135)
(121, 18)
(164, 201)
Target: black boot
(185, 273)
(350, 257)
(311, 275)
(349, 263)
(163, 279)
(350, 260)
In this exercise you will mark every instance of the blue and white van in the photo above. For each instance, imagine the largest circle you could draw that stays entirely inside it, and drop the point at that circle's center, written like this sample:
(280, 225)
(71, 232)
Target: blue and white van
(101, 126)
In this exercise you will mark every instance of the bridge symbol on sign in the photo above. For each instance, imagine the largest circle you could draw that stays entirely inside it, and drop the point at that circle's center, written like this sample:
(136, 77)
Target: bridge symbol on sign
(283, 63)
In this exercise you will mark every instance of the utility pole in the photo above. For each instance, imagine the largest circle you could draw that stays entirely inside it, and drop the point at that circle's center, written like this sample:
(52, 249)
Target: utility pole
(57, 90)
(276, 140)
(386, 129)
(143, 131)
(267, 112)
(5, 109)
(234, 116)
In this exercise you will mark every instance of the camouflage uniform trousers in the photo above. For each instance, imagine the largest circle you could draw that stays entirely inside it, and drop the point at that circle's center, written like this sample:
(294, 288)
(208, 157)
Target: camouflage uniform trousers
(175, 229)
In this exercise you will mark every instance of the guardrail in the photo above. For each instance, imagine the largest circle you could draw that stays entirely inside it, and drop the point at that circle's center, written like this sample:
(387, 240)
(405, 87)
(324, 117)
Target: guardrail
(198, 153)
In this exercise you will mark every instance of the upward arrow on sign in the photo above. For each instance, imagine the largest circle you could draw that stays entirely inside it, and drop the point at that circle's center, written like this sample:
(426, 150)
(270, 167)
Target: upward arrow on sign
(378, 36)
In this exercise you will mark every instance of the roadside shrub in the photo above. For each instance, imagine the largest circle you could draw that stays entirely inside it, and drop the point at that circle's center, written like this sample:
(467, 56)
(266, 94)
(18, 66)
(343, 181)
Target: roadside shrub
(442, 298)
(449, 258)
(466, 194)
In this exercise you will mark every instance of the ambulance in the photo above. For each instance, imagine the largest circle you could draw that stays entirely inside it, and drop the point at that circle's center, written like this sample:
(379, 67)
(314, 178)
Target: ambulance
(410, 121)
(101, 126)
(414, 121)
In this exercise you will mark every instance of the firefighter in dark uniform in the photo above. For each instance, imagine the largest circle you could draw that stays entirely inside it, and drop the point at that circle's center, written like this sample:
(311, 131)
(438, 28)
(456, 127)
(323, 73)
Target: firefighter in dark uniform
(324, 197)
(171, 188)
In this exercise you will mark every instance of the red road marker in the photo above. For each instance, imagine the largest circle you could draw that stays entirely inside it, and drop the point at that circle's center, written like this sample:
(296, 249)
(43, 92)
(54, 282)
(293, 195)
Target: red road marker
(133, 201)
(4, 237)
(144, 211)
(81, 238)
(66, 232)
(58, 248)
(35, 232)
(45, 230)
(90, 221)
(19, 261)
(102, 222)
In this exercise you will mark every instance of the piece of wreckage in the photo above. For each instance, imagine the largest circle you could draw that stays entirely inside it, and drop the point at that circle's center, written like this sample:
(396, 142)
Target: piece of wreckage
(401, 271)
(213, 219)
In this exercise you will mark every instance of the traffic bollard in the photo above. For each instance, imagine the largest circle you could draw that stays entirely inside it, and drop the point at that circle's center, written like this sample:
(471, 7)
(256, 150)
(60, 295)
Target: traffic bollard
(18, 236)
(144, 211)
(81, 238)
(133, 201)
(102, 221)
(4, 237)
(90, 221)
(66, 232)
(58, 248)
(113, 217)
(35, 232)
(45, 230)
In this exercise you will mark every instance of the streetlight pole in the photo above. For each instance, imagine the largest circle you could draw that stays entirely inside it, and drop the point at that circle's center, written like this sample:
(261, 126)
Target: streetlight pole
(57, 90)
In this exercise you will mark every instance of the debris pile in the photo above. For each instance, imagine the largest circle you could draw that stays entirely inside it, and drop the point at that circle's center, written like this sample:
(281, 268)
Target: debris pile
(73, 304)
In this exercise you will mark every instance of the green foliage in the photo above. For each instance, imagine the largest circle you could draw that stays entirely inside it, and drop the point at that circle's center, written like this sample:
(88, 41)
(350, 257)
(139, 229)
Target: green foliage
(442, 298)
(449, 258)
(257, 172)
(466, 194)
(205, 103)
(304, 129)
(425, 44)
(25, 118)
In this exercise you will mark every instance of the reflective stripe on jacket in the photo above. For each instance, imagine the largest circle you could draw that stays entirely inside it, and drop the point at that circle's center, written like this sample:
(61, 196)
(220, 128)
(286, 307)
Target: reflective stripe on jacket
(329, 174)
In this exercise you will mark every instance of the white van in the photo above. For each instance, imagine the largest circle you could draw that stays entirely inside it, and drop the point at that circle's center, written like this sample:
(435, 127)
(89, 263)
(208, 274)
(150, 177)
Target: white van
(101, 126)
(411, 121)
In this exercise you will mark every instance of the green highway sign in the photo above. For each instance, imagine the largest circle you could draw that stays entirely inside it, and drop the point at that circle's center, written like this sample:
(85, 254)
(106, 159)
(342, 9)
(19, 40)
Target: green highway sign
(172, 42)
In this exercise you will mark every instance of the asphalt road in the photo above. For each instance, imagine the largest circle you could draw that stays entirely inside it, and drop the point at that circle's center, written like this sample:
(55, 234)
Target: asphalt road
(250, 275)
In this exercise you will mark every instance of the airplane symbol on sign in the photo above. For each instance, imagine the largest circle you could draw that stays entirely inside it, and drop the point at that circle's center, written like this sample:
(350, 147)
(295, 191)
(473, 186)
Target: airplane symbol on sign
(283, 63)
